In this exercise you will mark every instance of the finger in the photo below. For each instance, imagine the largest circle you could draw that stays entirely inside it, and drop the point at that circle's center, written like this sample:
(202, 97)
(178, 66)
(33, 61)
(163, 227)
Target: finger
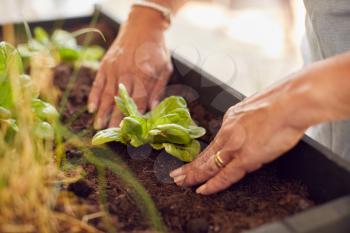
(179, 175)
(205, 170)
(126, 80)
(232, 173)
(204, 155)
(96, 91)
(117, 115)
(159, 88)
(107, 102)
(139, 95)
(205, 167)
(234, 136)
(116, 118)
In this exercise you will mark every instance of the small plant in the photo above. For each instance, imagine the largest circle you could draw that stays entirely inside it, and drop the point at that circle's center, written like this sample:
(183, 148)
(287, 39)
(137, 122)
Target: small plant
(63, 47)
(12, 81)
(26, 150)
(169, 126)
(32, 193)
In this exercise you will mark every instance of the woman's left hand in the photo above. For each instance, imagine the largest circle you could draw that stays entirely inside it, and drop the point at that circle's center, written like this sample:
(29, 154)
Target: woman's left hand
(254, 132)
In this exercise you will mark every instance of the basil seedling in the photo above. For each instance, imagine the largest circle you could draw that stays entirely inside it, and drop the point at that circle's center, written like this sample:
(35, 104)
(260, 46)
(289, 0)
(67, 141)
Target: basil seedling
(63, 46)
(44, 113)
(169, 126)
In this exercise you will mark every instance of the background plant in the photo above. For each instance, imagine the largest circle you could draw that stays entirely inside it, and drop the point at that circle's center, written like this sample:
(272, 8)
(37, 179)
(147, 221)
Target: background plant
(62, 46)
(12, 78)
(33, 169)
(26, 153)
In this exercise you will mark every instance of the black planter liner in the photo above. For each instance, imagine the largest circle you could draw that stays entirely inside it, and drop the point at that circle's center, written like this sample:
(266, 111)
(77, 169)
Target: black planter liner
(326, 175)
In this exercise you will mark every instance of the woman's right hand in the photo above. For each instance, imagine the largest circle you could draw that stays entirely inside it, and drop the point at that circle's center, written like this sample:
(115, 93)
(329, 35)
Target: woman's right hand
(139, 59)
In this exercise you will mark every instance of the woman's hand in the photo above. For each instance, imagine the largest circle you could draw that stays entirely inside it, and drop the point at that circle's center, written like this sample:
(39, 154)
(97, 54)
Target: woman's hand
(254, 132)
(263, 127)
(139, 59)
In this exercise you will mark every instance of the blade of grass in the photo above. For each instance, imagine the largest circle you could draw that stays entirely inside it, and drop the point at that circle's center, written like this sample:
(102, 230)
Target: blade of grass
(88, 30)
(105, 158)
(101, 173)
(27, 30)
(140, 195)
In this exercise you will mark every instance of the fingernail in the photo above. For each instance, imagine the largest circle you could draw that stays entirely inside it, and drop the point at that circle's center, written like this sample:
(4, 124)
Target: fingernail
(176, 172)
(91, 108)
(179, 180)
(201, 189)
(98, 124)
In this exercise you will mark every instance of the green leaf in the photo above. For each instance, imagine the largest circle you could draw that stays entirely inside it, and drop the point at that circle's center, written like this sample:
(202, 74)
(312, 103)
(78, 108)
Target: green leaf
(196, 132)
(10, 128)
(133, 129)
(4, 50)
(167, 106)
(10, 58)
(69, 54)
(29, 49)
(92, 53)
(170, 133)
(64, 39)
(66, 45)
(126, 104)
(120, 104)
(36, 46)
(44, 130)
(6, 92)
(63, 46)
(44, 111)
(41, 35)
(11, 123)
(28, 86)
(179, 116)
(107, 135)
(25, 50)
(10, 63)
(185, 153)
(157, 146)
(4, 113)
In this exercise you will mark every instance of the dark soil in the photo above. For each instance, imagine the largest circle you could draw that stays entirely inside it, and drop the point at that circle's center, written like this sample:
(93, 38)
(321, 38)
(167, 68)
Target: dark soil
(259, 198)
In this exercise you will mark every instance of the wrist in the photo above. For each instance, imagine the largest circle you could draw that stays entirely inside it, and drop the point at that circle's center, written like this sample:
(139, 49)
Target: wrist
(148, 18)
(173, 5)
(305, 102)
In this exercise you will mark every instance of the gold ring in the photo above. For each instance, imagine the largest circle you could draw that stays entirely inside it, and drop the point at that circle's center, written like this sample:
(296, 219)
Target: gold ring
(218, 160)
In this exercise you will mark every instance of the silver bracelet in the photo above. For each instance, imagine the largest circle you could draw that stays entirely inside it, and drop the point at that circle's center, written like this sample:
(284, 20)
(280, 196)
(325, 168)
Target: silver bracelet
(155, 6)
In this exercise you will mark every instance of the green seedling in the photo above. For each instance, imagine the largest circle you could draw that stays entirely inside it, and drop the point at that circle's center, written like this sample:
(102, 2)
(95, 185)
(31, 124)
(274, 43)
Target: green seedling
(63, 47)
(169, 126)
(44, 113)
